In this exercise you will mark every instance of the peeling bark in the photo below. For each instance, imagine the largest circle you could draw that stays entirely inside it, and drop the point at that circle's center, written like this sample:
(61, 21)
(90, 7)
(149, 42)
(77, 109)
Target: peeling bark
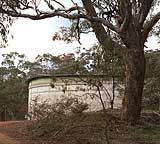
(134, 82)
(134, 61)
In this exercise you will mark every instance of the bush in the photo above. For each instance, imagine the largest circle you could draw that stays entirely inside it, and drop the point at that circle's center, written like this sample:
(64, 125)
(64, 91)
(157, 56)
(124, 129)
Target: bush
(67, 123)
(46, 114)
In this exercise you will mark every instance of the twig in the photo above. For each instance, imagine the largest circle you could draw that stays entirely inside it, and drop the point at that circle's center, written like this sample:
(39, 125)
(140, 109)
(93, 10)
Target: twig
(156, 113)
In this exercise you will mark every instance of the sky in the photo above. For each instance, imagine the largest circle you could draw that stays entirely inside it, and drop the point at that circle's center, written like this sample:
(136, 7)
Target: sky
(35, 37)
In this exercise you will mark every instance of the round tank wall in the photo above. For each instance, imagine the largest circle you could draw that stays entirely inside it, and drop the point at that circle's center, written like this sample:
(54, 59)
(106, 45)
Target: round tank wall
(40, 89)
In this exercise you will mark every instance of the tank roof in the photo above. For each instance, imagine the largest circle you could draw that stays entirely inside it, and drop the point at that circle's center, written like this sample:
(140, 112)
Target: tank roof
(60, 76)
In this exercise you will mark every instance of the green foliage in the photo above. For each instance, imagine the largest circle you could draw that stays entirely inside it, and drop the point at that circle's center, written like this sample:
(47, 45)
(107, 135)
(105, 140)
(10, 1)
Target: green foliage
(152, 80)
(48, 61)
(5, 23)
(13, 98)
(98, 61)
(62, 64)
(107, 62)
(13, 60)
(72, 33)
(13, 89)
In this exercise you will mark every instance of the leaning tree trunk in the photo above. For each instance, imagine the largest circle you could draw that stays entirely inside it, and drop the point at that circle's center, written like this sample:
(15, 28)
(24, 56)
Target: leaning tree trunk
(134, 61)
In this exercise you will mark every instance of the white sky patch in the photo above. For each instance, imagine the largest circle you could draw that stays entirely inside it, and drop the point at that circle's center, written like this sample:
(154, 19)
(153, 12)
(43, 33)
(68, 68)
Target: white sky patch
(152, 43)
(35, 37)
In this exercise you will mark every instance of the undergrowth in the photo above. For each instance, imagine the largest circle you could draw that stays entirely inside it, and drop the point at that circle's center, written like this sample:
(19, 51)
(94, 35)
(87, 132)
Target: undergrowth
(63, 125)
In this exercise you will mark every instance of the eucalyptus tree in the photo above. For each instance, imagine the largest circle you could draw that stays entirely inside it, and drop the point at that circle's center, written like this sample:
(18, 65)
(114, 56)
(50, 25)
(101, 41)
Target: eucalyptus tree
(130, 20)
(13, 87)
(61, 64)
(48, 61)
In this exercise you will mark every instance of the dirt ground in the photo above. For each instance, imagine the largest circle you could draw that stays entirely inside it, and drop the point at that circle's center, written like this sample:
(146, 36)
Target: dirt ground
(12, 132)
(4, 139)
(16, 132)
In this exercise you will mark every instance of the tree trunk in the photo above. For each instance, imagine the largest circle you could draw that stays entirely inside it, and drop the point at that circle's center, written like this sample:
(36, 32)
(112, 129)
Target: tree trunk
(134, 61)
(133, 58)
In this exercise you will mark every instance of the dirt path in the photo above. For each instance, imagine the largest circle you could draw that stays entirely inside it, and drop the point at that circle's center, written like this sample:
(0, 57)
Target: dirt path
(4, 139)
(10, 131)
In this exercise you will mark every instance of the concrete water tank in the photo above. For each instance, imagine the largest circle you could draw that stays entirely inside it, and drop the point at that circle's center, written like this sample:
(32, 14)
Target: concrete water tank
(52, 88)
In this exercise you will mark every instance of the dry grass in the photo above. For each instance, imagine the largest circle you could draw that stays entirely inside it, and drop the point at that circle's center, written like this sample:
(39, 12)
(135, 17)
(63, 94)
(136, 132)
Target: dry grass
(87, 128)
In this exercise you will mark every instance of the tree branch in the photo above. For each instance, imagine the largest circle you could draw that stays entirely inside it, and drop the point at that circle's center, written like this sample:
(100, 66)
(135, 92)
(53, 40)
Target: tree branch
(144, 10)
(44, 15)
(98, 28)
(59, 3)
(128, 15)
(61, 13)
(73, 13)
(149, 25)
(2, 25)
(106, 23)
